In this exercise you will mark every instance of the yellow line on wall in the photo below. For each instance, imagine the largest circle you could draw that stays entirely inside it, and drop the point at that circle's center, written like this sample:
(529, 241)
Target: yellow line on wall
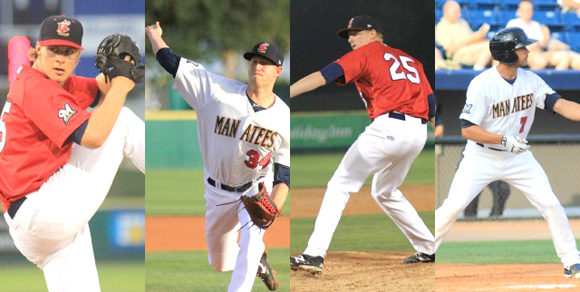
(170, 115)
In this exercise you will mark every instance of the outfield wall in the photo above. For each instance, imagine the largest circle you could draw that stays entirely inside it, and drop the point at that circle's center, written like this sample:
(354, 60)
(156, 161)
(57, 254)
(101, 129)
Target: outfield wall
(171, 139)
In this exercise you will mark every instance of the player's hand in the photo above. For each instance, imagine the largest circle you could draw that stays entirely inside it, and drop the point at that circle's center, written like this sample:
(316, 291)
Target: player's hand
(515, 144)
(153, 30)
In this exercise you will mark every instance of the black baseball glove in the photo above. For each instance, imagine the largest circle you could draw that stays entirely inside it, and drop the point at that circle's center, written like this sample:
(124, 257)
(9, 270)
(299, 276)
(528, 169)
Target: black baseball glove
(111, 54)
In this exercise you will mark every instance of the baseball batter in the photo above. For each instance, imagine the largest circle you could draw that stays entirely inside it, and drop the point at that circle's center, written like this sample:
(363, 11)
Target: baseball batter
(399, 101)
(497, 117)
(243, 132)
(58, 161)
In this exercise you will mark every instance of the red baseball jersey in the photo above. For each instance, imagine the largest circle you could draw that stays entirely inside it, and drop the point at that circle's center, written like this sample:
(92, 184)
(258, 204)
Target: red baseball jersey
(387, 79)
(37, 119)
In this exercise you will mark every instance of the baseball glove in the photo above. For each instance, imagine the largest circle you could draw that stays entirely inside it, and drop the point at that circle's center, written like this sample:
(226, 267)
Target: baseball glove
(261, 208)
(111, 55)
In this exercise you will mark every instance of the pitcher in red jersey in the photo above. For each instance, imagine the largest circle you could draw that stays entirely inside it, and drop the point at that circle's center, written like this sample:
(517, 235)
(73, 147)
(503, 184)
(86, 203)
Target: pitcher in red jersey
(399, 101)
(57, 160)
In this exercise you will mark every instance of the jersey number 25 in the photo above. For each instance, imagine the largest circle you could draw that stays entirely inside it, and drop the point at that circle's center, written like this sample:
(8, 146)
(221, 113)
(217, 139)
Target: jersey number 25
(413, 76)
(3, 134)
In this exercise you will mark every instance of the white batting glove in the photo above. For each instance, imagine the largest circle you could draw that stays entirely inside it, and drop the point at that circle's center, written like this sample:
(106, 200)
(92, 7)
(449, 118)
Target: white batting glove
(515, 144)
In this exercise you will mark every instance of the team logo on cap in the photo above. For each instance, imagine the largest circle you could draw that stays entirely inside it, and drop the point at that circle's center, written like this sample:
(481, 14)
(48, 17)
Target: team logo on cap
(263, 47)
(66, 113)
(63, 28)
(350, 22)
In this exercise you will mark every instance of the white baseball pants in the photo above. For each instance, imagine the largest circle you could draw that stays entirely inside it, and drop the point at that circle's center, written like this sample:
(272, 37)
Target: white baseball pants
(481, 166)
(51, 227)
(386, 149)
(223, 220)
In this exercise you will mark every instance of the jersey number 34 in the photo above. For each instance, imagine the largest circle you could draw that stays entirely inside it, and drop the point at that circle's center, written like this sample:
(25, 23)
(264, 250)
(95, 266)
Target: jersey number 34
(255, 161)
(406, 62)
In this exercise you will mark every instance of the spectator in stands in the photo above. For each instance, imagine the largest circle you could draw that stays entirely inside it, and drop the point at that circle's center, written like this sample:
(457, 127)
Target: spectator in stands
(545, 52)
(569, 5)
(460, 43)
(442, 63)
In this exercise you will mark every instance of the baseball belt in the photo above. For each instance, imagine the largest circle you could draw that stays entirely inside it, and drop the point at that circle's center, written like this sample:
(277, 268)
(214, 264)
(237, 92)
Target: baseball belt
(230, 188)
(15, 206)
(400, 116)
(494, 149)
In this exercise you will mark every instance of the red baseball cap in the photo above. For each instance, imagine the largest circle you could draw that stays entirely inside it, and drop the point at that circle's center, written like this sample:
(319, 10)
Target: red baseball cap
(59, 30)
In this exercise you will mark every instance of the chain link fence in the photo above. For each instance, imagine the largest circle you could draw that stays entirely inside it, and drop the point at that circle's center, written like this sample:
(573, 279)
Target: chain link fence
(559, 155)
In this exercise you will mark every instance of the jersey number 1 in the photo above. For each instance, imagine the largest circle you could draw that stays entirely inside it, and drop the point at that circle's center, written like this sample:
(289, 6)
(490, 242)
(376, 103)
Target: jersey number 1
(254, 159)
(413, 76)
(3, 134)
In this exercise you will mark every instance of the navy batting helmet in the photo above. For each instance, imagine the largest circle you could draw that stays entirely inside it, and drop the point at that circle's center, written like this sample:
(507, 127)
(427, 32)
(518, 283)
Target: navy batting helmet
(506, 41)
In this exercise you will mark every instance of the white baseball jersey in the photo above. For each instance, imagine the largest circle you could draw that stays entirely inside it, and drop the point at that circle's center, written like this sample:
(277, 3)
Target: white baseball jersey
(503, 108)
(236, 142)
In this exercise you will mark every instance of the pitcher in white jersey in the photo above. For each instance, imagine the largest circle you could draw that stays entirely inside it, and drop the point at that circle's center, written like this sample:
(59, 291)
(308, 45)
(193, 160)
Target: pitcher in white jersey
(497, 117)
(244, 138)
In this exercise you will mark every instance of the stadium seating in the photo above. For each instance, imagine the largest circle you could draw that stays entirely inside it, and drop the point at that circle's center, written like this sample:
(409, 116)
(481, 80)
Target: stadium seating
(564, 26)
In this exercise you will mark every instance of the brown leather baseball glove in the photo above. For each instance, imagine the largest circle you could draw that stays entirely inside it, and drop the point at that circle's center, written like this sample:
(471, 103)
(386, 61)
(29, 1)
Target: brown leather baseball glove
(261, 208)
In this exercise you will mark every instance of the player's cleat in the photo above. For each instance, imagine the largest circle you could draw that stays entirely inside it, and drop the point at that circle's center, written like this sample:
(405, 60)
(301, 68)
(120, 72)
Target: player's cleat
(572, 271)
(304, 262)
(266, 273)
(419, 258)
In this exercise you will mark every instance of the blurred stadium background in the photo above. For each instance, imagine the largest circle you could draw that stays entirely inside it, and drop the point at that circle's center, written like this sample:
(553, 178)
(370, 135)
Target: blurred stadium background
(555, 141)
(118, 229)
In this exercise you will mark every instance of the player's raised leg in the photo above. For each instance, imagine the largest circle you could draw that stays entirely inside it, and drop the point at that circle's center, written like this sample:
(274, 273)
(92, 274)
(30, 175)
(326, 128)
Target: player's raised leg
(49, 223)
(80, 271)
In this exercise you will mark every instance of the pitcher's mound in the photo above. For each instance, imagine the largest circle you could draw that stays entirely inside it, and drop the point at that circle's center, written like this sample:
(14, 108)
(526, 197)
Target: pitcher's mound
(366, 271)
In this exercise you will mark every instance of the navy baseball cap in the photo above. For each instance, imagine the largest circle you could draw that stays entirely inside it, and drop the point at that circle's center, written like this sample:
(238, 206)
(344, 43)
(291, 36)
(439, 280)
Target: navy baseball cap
(267, 50)
(59, 30)
(361, 22)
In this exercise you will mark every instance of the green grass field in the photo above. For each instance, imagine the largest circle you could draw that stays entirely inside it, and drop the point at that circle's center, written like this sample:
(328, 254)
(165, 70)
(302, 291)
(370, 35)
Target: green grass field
(190, 271)
(498, 252)
(315, 170)
(358, 233)
(114, 277)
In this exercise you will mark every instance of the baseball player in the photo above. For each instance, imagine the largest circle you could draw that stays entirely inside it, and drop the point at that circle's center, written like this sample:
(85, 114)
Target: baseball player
(496, 119)
(399, 101)
(241, 130)
(58, 161)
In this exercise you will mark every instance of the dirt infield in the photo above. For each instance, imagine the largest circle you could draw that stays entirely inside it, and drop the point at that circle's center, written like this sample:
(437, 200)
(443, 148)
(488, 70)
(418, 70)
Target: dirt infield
(513, 278)
(503, 230)
(188, 233)
(305, 203)
(364, 271)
